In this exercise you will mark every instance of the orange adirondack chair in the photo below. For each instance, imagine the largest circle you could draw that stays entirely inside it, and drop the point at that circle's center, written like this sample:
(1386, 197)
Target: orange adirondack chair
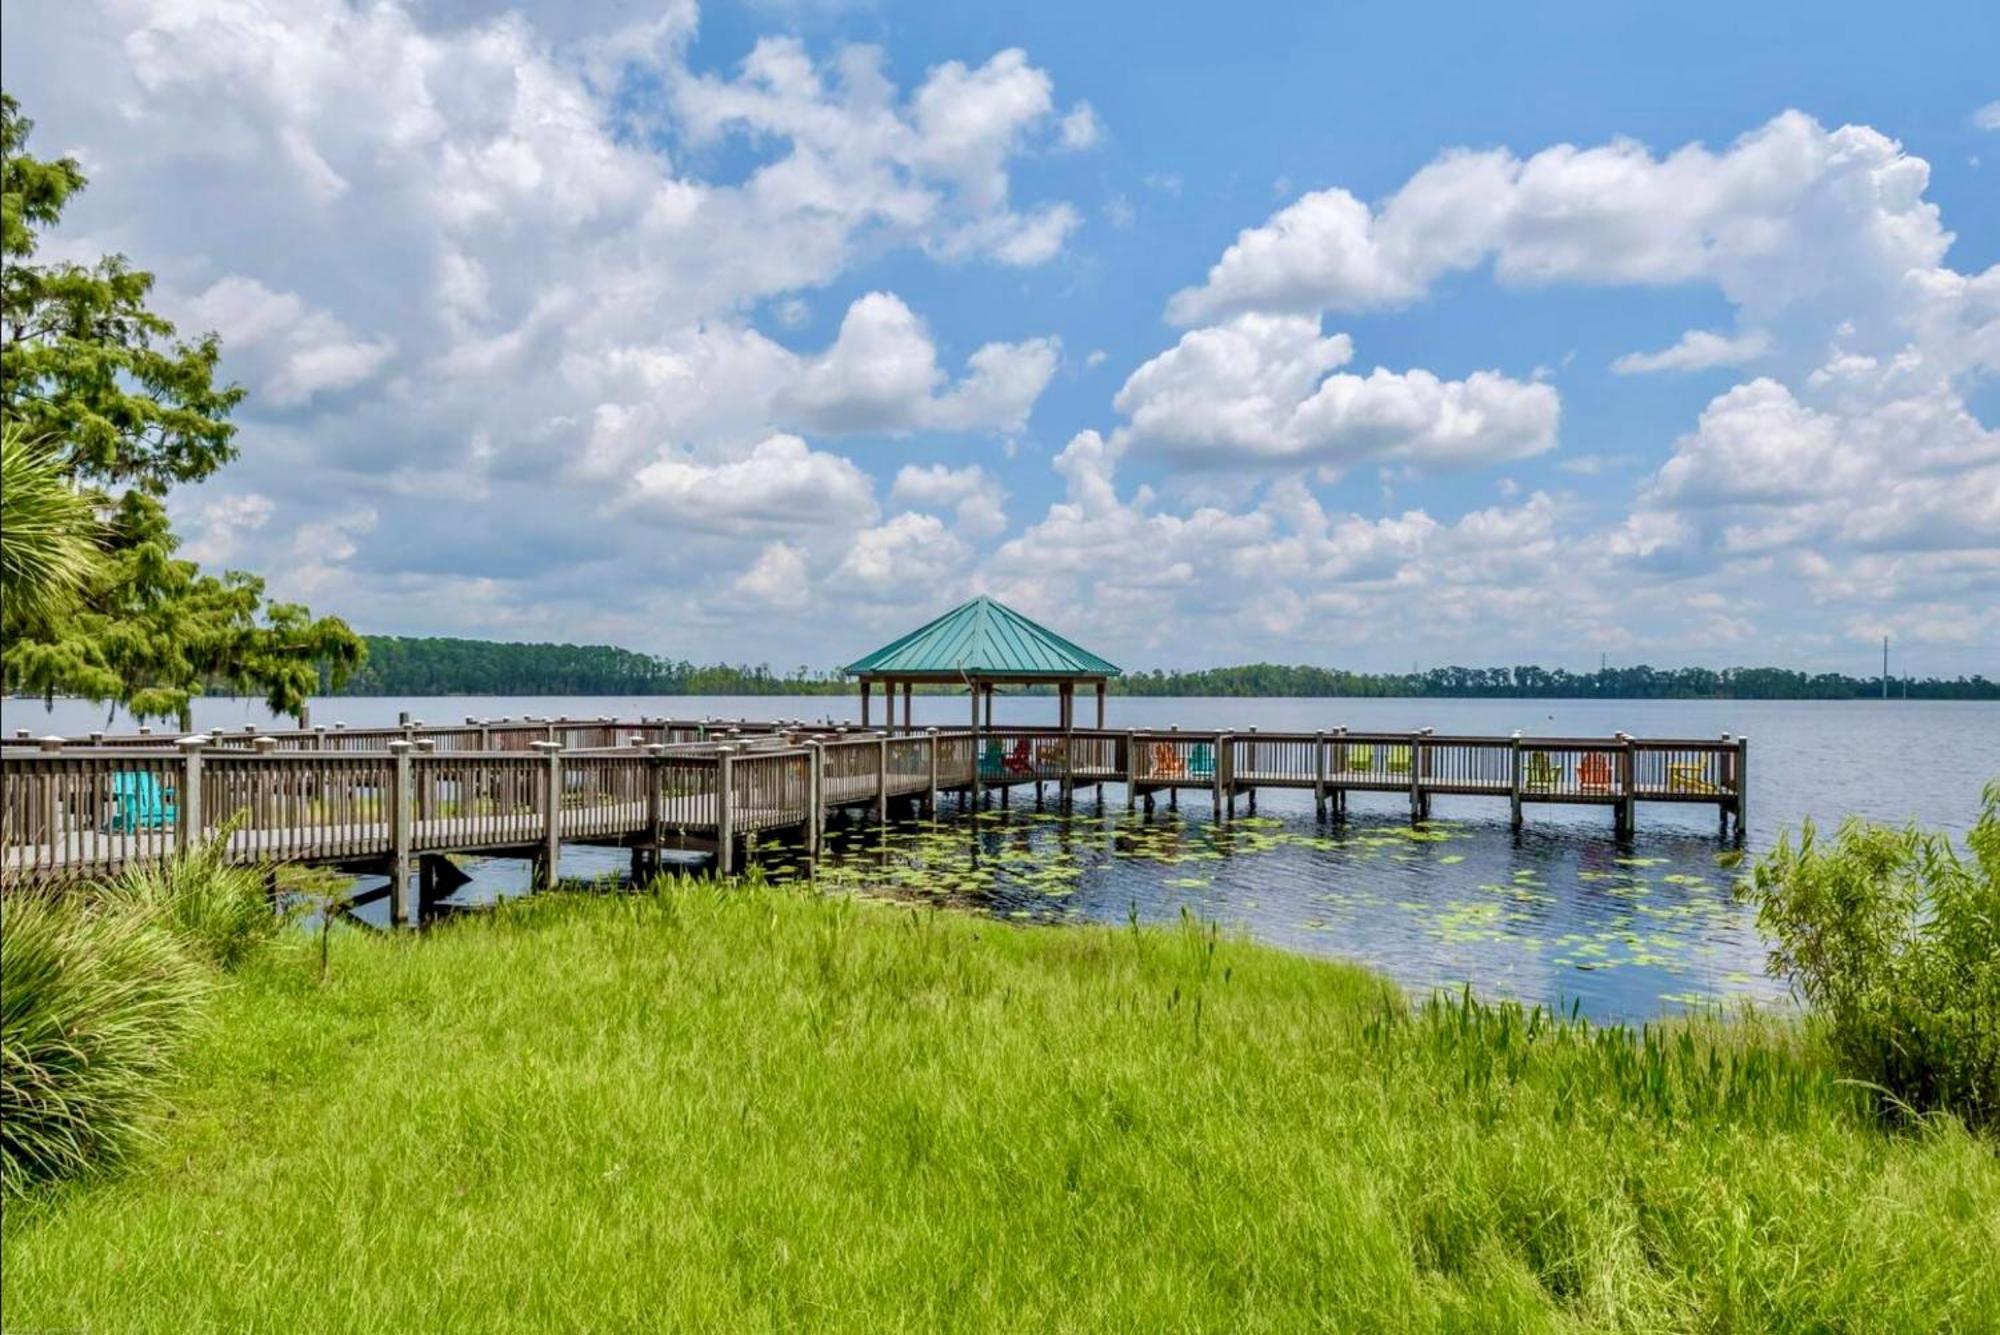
(1593, 772)
(1167, 763)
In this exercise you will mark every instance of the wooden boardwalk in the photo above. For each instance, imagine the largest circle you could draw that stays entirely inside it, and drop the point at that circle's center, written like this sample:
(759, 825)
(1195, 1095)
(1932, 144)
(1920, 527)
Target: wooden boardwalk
(391, 800)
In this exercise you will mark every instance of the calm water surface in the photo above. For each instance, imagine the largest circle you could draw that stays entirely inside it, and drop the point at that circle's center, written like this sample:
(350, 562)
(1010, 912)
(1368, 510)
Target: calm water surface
(1563, 913)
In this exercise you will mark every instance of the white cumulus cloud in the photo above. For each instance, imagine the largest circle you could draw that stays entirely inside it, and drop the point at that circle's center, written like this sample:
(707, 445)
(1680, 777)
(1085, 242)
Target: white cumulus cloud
(1697, 350)
(1266, 389)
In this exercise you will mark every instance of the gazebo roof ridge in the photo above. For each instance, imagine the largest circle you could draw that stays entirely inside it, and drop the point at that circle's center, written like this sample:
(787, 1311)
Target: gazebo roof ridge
(982, 637)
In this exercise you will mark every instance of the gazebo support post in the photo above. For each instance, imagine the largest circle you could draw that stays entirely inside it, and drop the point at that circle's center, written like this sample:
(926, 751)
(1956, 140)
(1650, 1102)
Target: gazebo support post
(864, 701)
(1100, 706)
(909, 691)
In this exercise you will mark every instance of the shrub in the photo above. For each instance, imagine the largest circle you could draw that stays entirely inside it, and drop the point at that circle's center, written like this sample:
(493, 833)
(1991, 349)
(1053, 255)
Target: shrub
(1893, 938)
(94, 1003)
(222, 913)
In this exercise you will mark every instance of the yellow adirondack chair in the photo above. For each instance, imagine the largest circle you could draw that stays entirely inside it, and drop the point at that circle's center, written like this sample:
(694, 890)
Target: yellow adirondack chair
(1543, 773)
(1692, 776)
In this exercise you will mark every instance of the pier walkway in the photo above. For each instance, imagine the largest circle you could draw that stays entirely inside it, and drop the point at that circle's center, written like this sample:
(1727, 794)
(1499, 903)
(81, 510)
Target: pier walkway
(395, 801)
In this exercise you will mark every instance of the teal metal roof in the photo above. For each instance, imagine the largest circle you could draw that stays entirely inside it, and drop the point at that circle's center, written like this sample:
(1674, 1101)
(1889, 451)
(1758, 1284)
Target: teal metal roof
(983, 637)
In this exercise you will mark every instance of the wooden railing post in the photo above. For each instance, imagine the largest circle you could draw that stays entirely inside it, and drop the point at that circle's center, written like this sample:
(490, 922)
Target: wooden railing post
(188, 817)
(1416, 777)
(1132, 760)
(1068, 779)
(931, 753)
(725, 810)
(400, 829)
(655, 798)
(882, 778)
(1336, 764)
(1742, 782)
(423, 800)
(815, 791)
(1627, 808)
(1225, 762)
(1514, 781)
(551, 868)
(1319, 775)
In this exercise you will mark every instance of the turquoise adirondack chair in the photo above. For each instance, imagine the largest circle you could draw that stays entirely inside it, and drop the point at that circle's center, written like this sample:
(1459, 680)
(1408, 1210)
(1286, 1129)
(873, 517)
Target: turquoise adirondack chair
(1201, 764)
(138, 802)
(992, 762)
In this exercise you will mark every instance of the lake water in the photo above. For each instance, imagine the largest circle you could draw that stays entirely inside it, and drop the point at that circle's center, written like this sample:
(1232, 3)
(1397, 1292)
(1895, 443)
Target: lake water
(1563, 913)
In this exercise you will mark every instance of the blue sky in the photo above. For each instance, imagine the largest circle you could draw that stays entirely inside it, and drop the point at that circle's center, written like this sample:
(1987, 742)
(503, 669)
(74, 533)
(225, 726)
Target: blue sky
(1360, 336)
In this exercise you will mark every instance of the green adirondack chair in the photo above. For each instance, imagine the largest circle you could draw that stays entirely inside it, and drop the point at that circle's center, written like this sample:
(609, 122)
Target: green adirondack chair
(1542, 772)
(138, 802)
(1201, 764)
(992, 761)
(1360, 759)
(1398, 760)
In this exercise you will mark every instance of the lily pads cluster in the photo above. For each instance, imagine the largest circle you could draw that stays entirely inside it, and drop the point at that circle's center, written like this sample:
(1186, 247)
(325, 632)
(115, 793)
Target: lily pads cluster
(1377, 891)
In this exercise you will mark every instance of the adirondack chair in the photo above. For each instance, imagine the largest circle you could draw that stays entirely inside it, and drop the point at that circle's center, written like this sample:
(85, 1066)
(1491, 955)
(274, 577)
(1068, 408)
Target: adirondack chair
(1360, 759)
(991, 761)
(1593, 772)
(1167, 763)
(1017, 760)
(1542, 772)
(1692, 776)
(1052, 755)
(138, 803)
(1201, 765)
(1398, 760)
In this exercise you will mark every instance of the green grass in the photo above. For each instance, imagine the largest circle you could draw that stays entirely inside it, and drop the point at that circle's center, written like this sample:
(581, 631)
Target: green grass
(754, 1108)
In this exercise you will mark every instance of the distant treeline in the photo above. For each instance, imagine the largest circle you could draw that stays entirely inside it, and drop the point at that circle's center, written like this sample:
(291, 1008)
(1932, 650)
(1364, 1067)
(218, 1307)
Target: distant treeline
(437, 666)
(1620, 683)
(433, 666)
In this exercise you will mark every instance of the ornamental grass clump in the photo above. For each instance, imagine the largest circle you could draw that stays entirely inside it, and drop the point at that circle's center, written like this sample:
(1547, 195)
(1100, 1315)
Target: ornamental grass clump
(95, 1001)
(1893, 938)
(220, 912)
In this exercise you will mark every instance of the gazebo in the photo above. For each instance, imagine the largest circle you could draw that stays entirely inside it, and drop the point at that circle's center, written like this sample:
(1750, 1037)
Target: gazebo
(981, 644)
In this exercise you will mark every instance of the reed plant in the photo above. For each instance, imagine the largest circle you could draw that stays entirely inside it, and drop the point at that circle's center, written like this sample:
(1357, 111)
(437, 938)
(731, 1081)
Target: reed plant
(220, 911)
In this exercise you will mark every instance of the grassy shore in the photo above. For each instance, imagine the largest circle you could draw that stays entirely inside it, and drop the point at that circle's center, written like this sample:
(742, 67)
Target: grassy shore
(758, 1108)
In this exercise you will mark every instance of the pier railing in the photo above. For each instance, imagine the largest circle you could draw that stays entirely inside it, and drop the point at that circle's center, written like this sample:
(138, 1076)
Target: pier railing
(85, 809)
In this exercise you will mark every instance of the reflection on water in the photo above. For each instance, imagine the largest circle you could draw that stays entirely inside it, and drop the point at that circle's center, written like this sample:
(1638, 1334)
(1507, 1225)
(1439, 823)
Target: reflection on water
(1564, 914)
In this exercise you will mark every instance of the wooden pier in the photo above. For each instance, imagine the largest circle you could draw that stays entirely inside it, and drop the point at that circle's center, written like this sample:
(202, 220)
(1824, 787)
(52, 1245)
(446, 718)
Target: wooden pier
(394, 801)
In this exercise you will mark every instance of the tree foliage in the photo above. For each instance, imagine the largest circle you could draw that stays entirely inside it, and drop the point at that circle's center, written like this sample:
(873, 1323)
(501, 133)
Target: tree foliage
(103, 384)
(49, 532)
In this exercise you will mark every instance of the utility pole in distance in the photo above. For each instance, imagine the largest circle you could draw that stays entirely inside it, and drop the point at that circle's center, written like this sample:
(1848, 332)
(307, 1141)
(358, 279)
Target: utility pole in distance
(1885, 667)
